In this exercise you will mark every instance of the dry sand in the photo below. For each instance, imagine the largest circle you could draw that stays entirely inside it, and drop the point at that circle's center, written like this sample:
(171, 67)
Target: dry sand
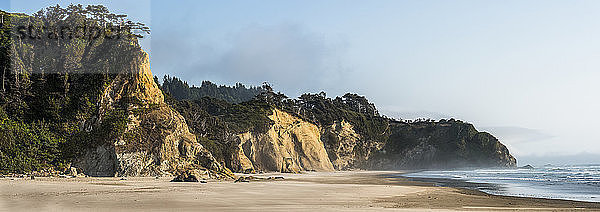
(316, 191)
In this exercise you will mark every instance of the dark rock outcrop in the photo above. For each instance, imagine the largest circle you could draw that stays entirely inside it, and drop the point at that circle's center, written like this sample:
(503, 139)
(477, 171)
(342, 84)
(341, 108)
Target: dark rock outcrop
(527, 167)
(446, 144)
(185, 176)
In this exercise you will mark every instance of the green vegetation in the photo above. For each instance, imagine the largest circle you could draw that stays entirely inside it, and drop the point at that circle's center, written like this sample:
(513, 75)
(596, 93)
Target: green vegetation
(28, 147)
(213, 113)
(180, 90)
(52, 84)
(214, 120)
(323, 111)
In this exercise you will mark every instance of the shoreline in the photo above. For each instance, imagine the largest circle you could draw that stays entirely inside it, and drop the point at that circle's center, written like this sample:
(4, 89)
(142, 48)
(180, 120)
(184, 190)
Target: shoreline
(329, 191)
(500, 188)
(465, 196)
(497, 201)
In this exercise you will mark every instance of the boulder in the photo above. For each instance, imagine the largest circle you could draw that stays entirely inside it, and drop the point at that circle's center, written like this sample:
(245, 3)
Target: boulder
(186, 176)
(527, 167)
(73, 171)
(242, 179)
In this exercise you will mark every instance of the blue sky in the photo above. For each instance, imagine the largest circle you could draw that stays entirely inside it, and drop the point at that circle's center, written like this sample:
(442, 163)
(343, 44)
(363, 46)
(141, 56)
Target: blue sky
(527, 71)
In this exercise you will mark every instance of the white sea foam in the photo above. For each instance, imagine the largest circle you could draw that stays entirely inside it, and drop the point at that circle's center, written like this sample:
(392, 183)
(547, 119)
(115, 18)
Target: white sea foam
(581, 182)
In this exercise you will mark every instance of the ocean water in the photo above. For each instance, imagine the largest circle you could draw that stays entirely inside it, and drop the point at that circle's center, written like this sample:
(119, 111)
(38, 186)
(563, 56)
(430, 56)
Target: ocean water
(576, 182)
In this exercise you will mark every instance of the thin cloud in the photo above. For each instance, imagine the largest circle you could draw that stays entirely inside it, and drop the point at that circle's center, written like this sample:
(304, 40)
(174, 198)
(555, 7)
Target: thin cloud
(287, 55)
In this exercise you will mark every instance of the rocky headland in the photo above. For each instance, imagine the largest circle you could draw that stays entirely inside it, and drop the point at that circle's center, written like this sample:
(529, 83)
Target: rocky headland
(93, 105)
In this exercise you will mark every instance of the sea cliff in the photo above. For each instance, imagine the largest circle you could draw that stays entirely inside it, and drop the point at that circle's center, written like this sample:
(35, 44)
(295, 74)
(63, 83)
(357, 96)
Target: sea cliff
(93, 105)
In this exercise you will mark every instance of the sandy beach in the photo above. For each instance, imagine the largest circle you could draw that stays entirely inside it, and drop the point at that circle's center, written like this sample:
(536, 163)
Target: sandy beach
(313, 191)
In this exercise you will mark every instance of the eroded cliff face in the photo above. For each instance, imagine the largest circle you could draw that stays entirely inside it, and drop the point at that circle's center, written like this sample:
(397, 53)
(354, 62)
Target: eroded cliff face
(156, 140)
(290, 145)
(341, 141)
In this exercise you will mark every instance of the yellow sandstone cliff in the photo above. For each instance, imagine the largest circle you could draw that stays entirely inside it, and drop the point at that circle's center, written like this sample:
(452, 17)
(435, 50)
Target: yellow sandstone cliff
(290, 145)
(157, 140)
(340, 140)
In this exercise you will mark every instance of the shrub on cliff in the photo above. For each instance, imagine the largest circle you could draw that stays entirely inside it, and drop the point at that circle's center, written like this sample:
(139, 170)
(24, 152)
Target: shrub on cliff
(28, 147)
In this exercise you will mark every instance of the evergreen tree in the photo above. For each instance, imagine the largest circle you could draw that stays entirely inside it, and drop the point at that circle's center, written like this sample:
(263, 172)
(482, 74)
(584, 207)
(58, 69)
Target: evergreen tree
(180, 90)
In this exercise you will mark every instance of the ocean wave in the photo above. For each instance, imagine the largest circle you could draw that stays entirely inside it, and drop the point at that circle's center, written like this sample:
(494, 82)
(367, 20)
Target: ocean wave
(579, 182)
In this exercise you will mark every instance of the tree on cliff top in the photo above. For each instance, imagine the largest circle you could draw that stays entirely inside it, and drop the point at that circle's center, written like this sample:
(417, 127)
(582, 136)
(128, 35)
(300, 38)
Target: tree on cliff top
(180, 90)
(97, 13)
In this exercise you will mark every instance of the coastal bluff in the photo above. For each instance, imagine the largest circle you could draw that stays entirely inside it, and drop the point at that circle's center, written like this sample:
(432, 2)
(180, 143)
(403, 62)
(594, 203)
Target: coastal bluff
(94, 106)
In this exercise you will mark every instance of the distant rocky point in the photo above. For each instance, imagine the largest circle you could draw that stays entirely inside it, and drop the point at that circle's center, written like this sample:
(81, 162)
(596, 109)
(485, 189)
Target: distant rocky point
(527, 167)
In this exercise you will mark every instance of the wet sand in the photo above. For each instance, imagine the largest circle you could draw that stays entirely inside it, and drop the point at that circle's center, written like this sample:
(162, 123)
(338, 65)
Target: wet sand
(314, 191)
